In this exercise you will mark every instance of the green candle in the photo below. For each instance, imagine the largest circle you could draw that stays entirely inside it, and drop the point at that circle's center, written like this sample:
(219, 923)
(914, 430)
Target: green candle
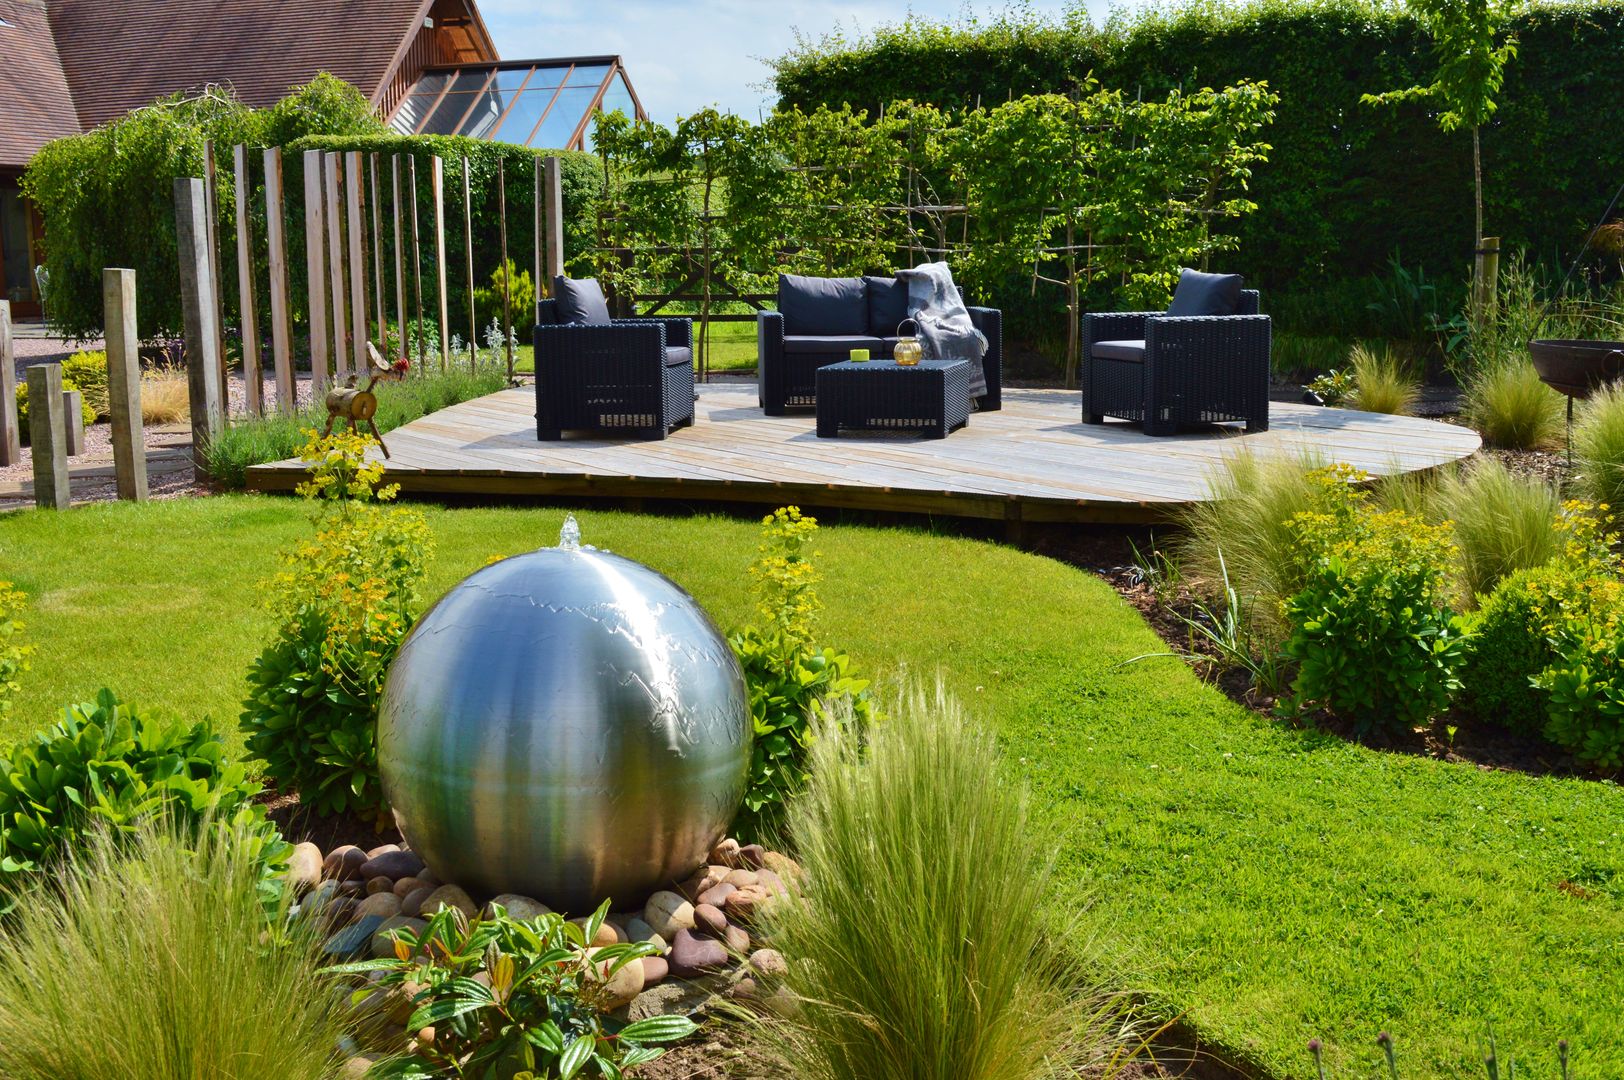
(858, 356)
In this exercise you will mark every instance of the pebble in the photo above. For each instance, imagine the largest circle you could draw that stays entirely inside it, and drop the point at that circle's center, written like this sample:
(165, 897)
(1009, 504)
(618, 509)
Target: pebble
(383, 905)
(380, 884)
(448, 896)
(343, 863)
(709, 920)
(383, 946)
(639, 930)
(392, 864)
(726, 852)
(620, 987)
(706, 878)
(741, 879)
(607, 933)
(304, 868)
(519, 907)
(717, 895)
(751, 856)
(356, 1067)
(771, 880)
(353, 939)
(782, 865)
(382, 849)
(412, 903)
(668, 913)
(352, 887)
(738, 940)
(406, 886)
(744, 990)
(692, 955)
(769, 963)
(655, 969)
(744, 903)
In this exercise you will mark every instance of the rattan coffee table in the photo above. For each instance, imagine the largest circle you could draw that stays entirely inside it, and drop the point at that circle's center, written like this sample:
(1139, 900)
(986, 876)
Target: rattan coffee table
(932, 397)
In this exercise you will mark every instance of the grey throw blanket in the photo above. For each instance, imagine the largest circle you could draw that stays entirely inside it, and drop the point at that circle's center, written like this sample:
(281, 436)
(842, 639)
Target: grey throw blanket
(945, 329)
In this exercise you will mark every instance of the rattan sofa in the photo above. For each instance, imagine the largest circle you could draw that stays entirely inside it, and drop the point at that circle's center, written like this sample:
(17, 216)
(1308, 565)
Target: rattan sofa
(631, 376)
(861, 313)
(1163, 370)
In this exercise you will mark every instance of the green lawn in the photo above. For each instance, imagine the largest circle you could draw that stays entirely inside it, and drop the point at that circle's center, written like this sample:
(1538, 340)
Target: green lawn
(1270, 884)
(733, 348)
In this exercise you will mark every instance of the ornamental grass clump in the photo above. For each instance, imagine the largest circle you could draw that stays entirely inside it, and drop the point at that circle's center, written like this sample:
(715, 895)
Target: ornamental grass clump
(1502, 523)
(1382, 382)
(343, 602)
(1598, 446)
(920, 948)
(152, 961)
(1510, 407)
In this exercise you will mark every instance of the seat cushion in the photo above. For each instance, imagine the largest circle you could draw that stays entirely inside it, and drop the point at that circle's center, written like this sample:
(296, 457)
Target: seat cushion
(1132, 351)
(831, 343)
(887, 304)
(1206, 294)
(580, 302)
(812, 305)
(677, 355)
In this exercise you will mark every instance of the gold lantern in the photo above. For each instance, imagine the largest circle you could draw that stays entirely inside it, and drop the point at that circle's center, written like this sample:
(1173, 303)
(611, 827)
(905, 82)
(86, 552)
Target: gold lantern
(908, 351)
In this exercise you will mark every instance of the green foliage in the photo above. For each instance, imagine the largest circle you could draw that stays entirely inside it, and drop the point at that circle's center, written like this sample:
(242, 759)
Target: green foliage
(792, 681)
(520, 309)
(1502, 523)
(1369, 630)
(14, 651)
(107, 196)
(537, 1013)
(961, 978)
(267, 438)
(147, 963)
(1509, 645)
(1584, 625)
(1382, 382)
(86, 413)
(88, 370)
(106, 766)
(343, 602)
(1511, 408)
(1336, 387)
(1598, 446)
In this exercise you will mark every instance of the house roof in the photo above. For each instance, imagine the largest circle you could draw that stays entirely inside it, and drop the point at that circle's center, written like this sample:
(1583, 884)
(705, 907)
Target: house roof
(120, 56)
(38, 106)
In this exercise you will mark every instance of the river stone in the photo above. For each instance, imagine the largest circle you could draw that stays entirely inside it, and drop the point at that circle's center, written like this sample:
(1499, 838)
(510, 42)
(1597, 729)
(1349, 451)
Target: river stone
(392, 864)
(377, 885)
(667, 913)
(383, 904)
(751, 856)
(709, 921)
(608, 933)
(448, 896)
(382, 849)
(638, 930)
(519, 907)
(383, 946)
(717, 895)
(655, 969)
(769, 963)
(353, 939)
(406, 886)
(782, 865)
(737, 939)
(726, 853)
(743, 904)
(412, 903)
(343, 863)
(692, 955)
(742, 879)
(304, 868)
(620, 987)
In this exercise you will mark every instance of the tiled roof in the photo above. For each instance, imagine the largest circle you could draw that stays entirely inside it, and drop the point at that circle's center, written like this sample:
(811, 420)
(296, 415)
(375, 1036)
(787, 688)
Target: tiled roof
(120, 56)
(35, 106)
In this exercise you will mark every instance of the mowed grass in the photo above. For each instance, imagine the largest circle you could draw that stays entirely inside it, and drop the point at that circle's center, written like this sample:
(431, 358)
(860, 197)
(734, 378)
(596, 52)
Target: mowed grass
(1269, 885)
(732, 348)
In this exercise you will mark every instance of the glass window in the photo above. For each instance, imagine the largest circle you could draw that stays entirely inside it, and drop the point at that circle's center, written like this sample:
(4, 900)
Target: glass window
(565, 117)
(448, 115)
(484, 118)
(511, 78)
(618, 97)
(412, 111)
(548, 77)
(588, 75)
(521, 119)
(431, 82)
(16, 270)
(470, 79)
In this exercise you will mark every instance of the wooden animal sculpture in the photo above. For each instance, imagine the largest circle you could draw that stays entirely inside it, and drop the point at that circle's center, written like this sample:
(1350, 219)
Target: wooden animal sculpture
(359, 406)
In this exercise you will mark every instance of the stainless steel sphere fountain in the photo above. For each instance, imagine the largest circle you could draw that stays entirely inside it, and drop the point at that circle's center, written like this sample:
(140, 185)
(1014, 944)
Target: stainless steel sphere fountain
(567, 725)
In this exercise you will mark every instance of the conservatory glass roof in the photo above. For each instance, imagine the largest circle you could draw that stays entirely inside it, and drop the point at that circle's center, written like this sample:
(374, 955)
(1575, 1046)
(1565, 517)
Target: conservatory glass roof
(541, 103)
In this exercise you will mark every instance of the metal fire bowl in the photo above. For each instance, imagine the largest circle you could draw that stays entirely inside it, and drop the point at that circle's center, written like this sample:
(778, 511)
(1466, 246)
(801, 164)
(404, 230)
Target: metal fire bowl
(568, 725)
(1577, 368)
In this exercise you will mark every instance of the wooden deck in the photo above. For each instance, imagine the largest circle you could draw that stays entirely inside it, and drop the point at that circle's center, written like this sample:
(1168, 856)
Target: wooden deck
(1033, 461)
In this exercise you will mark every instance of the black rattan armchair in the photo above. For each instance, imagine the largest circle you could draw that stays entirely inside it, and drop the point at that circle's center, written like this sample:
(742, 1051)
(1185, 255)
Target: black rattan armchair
(633, 375)
(1162, 370)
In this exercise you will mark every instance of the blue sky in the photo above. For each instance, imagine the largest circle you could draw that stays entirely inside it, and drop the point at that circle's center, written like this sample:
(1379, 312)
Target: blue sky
(683, 56)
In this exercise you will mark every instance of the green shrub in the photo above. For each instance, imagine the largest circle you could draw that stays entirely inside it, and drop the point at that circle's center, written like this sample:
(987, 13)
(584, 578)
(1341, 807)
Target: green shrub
(790, 679)
(1502, 522)
(1369, 632)
(1300, 355)
(1382, 383)
(540, 1012)
(343, 602)
(521, 299)
(148, 964)
(85, 411)
(106, 765)
(1511, 408)
(1598, 447)
(88, 370)
(14, 652)
(961, 979)
(1508, 645)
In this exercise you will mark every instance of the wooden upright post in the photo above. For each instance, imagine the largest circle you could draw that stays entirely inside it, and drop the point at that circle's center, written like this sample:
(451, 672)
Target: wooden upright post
(377, 265)
(437, 184)
(355, 181)
(400, 258)
(335, 258)
(281, 317)
(507, 283)
(316, 268)
(124, 383)
(73, 422)
(211, 202)
(197, 303)
(253, 386)
(417, 273)
(468, 253)
(47, 435)
(544, 287)
(555, 218)
(11, 435)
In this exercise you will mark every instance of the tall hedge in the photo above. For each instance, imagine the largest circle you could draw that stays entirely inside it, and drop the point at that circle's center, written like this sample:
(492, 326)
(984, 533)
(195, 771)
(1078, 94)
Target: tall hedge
(1346, 184)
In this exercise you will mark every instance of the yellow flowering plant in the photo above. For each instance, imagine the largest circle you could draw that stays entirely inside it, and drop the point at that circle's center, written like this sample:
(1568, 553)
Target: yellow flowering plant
(343, 601)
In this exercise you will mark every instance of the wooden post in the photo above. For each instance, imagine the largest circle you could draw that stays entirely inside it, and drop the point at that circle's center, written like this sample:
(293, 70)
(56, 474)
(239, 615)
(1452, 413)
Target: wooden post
(555, 218)
(377, 265)
(211, 201)
(281, 318)
(197, 302)
(437, 185)
(468, 252)
(1486, 283)
(253, 386)
(507, 284)
(11, 435)
(400, 258)
(335, 258)
(417, 272)
(355, 184)
(316, 269)
(544, 287)
(73, 422)
(46, 433)
(124, 383)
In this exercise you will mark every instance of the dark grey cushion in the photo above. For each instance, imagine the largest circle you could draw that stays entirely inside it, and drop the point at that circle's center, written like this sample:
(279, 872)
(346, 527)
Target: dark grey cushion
(1206, 294)
(887, 304)
(676, 355)
(831, 343)
(813, 305)
(1132, 351)
(580, 302)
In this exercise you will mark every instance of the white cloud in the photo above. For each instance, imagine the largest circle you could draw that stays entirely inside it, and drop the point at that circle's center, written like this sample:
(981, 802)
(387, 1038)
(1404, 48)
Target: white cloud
(683, 56)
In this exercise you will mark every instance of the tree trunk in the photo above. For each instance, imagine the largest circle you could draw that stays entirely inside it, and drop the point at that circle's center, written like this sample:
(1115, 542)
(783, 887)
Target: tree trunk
(1479, 303)
(1073, 342)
